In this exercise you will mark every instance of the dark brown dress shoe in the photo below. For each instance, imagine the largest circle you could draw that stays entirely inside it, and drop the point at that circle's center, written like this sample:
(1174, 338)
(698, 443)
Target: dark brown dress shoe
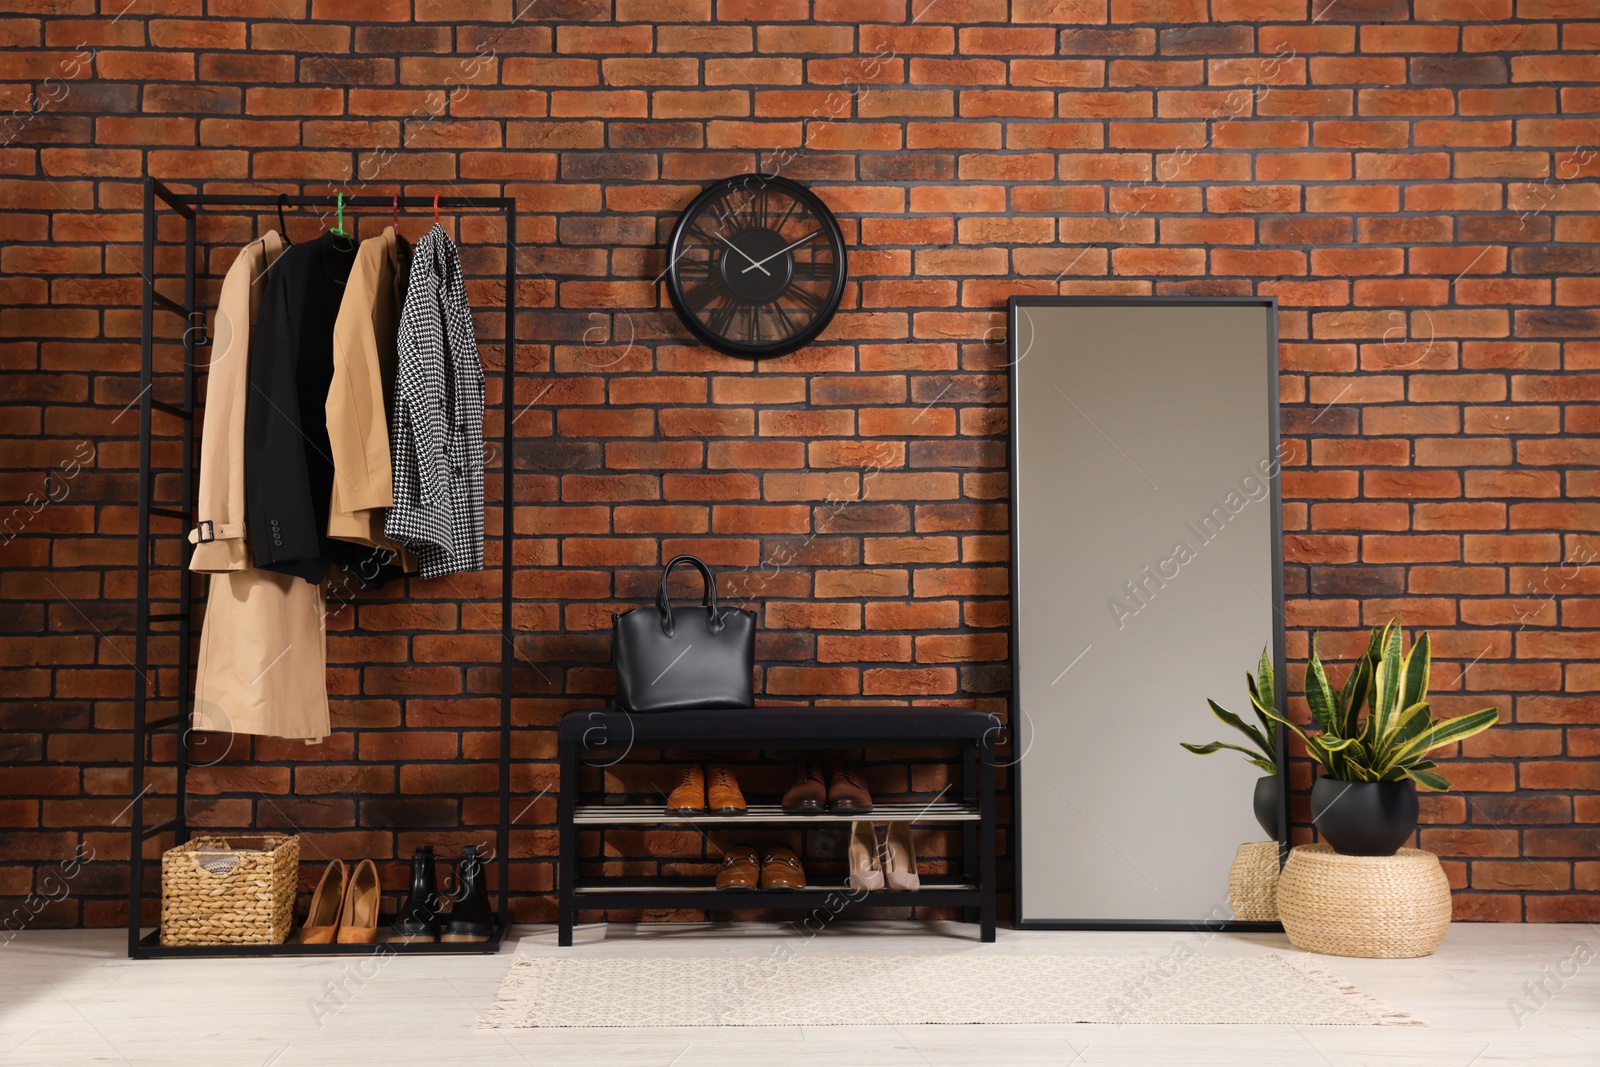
(781, 869)
(741, 869)
(847, 793)
(723, 796)
(689, 798)
(809, 793)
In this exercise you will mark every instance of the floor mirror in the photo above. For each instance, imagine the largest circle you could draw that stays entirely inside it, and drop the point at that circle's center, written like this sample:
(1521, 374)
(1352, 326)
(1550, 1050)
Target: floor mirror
(1147, 576)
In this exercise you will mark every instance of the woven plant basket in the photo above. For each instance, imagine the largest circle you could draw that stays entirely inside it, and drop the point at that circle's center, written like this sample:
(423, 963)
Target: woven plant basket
(1253, 882)
(214, 892)
(1380, 907)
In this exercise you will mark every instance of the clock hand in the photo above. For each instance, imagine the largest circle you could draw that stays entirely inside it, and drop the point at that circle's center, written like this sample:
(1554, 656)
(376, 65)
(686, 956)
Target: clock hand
(754, 264)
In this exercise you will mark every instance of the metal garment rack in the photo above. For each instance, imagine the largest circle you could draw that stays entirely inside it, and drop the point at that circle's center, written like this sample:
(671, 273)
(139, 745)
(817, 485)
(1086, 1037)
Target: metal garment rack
(188, 206)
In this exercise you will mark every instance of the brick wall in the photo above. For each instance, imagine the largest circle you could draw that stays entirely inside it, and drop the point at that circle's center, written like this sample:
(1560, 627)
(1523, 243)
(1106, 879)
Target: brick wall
(1414, 181)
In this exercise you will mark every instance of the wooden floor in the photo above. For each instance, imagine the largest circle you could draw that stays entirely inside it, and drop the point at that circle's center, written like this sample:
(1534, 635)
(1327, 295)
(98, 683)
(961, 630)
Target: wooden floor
(71, 997)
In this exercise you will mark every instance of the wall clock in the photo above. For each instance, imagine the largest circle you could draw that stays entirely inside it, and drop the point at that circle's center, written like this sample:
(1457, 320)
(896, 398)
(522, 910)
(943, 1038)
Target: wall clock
(756, 266)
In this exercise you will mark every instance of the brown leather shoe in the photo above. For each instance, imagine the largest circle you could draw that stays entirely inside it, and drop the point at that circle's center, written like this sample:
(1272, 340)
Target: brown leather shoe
(358, 922)
(781, 869)
(722, 793)
(847, 793)
(741, 868)
(809, 793)
(689, 798)
(322, 921)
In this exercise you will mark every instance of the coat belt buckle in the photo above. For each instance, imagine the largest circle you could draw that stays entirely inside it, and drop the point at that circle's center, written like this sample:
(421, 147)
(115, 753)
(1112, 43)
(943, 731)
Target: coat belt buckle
(207, 532)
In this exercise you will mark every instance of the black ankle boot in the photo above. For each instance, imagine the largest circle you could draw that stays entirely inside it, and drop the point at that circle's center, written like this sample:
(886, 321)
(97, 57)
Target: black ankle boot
(418, 918)
(470, 918)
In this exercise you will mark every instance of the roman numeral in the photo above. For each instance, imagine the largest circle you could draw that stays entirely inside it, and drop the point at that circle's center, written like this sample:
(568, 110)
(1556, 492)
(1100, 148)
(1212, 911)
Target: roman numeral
(722, 317)
(806, 297)
(810, 268)
(701, 295)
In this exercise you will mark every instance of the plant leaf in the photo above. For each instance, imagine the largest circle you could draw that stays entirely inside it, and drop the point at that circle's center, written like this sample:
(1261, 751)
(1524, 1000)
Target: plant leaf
(1357, 689)
(1409, 724)
(1268, 684)
(1429, 780)
(1319, 694)
(1243, 727)
(1269, 727)
(1445, 732)
(1264, 765)
(1418, 662)
(1387, 683)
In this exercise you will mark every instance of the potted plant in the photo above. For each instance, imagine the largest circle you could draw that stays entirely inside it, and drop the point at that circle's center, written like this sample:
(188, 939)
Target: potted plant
(1365, 801)
(1263, 753)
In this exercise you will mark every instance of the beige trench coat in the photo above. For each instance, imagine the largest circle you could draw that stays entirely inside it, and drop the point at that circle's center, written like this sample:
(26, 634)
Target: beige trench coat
(358, 408)
(263, 666)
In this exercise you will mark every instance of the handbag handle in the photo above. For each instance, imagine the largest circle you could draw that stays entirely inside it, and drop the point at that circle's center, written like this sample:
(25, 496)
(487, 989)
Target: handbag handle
(709, 602)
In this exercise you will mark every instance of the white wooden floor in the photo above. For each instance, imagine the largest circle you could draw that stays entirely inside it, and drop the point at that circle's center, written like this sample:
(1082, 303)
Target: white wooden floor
(71, 998)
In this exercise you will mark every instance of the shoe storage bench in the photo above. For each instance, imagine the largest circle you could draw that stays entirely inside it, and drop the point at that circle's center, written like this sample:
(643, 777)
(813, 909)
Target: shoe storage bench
(610, 735)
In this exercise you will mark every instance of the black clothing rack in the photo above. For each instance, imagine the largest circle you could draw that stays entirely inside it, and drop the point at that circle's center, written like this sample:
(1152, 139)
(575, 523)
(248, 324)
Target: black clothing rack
(188, 206)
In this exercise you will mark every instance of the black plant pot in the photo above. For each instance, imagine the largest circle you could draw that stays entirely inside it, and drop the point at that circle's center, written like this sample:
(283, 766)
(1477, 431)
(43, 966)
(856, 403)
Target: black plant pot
(1364, 818)
(1267, 802)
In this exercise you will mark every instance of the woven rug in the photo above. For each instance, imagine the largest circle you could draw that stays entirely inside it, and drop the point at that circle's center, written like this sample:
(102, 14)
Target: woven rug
(796, 990)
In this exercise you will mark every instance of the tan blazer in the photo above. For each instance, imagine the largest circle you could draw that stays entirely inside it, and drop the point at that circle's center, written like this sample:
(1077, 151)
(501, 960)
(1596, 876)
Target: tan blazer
(219, 533)
(358, 404)
(263, 666)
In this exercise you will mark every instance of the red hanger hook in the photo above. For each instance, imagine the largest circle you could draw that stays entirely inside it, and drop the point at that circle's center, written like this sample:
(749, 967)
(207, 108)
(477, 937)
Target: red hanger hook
(436, 209)
(396, 212)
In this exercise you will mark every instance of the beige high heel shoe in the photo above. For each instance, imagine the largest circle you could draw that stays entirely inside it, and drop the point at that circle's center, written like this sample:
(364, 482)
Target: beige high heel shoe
(866, 867)
(322, 921)
(363, 899)
(900, 871)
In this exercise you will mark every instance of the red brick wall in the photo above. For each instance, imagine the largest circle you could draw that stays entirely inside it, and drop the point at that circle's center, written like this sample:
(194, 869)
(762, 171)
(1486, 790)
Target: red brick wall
(1413, 180)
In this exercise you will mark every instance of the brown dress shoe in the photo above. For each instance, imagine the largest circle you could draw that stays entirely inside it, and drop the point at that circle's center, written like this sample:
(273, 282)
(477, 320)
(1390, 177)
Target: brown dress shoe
(847, 793)
(327, 903)
(809, 793)
(741, 869)
(781, 870)
(722, 793)
(358, 921)
(689, 798)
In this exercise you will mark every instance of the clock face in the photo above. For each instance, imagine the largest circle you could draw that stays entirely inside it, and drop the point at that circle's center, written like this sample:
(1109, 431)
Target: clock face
(756, 266)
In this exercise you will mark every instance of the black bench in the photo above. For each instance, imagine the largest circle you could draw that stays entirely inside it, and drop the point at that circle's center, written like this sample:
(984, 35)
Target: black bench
(612, 734)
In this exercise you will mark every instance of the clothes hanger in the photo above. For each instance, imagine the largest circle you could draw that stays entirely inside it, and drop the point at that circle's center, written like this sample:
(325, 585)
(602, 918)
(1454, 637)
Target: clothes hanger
(397, 213)
(338, 225)
(283, 227)
(436, 209)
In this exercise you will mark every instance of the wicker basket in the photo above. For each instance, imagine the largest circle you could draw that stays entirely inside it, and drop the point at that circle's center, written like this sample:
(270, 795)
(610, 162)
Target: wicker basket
(222, 891)
(1381, 907)
(1253, 882)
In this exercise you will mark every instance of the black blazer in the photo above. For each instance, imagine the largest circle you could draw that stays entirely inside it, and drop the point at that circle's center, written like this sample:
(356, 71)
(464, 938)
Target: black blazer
(288, 461)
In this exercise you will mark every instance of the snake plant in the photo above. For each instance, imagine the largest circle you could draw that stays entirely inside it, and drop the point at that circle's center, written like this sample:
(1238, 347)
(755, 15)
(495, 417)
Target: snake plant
(1391, 743)
(1264, 756)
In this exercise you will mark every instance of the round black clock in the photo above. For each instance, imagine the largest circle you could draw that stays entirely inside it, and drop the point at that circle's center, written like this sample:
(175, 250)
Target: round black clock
(756, 266)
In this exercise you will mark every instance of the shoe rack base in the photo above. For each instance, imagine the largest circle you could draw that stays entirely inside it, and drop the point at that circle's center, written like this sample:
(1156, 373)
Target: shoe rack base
(149, 947)
(609, 735)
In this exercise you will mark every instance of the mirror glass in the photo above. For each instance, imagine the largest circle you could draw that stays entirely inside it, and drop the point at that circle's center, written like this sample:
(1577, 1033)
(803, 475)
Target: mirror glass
(1147, 577)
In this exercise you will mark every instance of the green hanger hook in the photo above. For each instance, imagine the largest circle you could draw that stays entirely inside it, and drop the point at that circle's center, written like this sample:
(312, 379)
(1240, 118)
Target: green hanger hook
(338, 226)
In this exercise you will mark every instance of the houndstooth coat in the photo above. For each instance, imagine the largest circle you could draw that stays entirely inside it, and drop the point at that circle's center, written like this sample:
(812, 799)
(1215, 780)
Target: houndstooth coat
(436, 430)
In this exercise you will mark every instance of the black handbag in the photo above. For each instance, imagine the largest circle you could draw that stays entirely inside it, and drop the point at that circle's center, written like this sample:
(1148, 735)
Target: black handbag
(672, 659)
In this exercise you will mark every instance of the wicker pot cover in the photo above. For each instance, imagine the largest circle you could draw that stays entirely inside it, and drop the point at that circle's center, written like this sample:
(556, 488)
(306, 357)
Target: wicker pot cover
(220, 891)
(1253, 882)
(1382, 907)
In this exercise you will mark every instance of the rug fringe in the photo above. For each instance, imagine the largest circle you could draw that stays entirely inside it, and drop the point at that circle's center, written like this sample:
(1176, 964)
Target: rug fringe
(517, 988)
(1387, 1016)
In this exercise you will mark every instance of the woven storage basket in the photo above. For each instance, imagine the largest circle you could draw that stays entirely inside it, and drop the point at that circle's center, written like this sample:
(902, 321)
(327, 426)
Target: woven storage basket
(1382, 907)
(1253, 882)
(214, 892)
